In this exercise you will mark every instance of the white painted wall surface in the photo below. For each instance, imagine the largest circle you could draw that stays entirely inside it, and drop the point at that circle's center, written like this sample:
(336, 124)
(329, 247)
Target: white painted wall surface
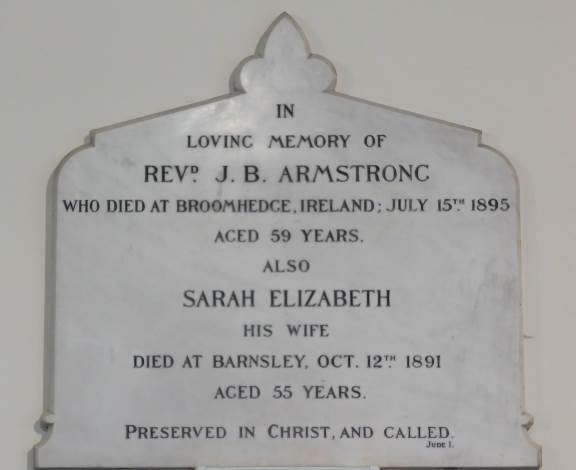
(507, 67)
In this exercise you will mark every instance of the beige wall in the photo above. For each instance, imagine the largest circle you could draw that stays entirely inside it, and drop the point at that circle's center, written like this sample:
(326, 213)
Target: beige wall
(507, 67)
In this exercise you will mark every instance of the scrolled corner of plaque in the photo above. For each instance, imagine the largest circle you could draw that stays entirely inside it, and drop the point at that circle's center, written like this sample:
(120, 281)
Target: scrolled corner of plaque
(368, 253)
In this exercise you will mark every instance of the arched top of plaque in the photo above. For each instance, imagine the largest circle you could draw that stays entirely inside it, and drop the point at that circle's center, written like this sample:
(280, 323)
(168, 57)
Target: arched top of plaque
(284, 66)
(283, 62)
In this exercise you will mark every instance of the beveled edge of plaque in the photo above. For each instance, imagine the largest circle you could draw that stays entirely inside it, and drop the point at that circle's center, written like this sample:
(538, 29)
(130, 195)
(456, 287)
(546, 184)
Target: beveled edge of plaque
(46, 421)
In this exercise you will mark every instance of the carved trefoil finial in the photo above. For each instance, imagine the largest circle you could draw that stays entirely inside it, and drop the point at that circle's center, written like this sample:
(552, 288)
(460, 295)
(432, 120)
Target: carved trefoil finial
(283, 62)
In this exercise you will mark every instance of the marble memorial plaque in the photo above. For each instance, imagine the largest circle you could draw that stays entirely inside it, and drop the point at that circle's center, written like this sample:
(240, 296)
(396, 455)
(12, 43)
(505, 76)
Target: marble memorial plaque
(284, 276)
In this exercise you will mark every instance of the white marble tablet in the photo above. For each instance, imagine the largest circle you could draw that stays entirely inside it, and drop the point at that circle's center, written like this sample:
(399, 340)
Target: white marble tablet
(285, 276)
